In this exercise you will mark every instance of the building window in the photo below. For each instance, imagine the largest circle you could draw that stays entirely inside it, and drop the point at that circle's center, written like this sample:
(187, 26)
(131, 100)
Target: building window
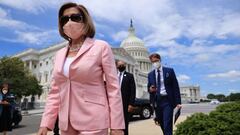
(39, 78)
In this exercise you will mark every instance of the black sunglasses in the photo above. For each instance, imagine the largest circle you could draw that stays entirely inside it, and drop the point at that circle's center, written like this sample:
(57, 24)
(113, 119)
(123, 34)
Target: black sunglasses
(73, 17)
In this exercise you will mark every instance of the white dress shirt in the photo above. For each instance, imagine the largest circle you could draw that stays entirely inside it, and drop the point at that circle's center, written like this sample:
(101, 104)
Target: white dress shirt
(66, 66)
(121, 77)
(162, 89)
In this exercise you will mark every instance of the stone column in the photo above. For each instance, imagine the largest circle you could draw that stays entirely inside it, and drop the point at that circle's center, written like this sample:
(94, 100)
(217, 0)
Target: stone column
(30, 65)
(129, 66)
(143, 66)
(195, 92)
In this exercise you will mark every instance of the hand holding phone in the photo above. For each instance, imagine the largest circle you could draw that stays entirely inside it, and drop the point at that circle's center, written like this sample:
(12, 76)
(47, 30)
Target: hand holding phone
(152, 88)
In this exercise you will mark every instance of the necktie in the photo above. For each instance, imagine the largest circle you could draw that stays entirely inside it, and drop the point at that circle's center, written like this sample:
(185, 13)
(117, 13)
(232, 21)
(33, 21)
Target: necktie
(158, 82)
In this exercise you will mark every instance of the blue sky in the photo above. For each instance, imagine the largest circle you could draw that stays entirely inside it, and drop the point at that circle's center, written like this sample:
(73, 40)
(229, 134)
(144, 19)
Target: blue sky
(199, 39)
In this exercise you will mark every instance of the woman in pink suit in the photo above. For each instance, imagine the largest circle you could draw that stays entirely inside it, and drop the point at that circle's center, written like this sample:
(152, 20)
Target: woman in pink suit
(85, 106)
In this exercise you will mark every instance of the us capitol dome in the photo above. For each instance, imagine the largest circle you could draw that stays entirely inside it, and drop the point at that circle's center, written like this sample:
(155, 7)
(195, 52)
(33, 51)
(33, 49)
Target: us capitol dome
(135, 47)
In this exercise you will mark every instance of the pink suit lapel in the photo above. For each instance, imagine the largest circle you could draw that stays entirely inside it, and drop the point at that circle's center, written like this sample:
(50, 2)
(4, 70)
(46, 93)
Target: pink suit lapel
(88, 43)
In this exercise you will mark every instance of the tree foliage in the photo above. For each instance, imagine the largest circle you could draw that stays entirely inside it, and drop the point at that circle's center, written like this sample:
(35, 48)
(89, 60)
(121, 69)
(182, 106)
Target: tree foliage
(234, 97)
(225, 120)
(21, 81)
(211, 96)
(223, 98)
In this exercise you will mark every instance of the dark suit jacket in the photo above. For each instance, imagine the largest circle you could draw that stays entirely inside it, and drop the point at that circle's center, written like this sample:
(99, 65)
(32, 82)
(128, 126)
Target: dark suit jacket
(128, 89)
(171, 86)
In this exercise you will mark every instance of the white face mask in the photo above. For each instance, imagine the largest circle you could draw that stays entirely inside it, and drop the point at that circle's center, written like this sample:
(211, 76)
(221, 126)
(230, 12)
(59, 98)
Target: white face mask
(4, 91)
(156, 65)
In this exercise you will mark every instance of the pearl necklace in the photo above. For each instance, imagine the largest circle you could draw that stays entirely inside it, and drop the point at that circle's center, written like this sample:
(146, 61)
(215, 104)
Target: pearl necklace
(75, 49)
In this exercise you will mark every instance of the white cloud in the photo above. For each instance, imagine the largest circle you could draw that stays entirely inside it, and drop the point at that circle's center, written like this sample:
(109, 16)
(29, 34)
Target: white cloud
(120, 36)
(201, 53)
(229, 25)
(9, 23)
(35, 38)
(3, 13)
(233, 91)
(32, 6)
(25, 33)
(162, 19)
(183, 78)
(229, 74)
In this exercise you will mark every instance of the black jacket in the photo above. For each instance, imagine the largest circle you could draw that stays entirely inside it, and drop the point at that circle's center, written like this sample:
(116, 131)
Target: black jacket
(128, 89)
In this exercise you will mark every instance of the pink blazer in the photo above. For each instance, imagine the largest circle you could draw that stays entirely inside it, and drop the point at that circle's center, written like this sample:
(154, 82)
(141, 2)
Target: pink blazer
(82, 98)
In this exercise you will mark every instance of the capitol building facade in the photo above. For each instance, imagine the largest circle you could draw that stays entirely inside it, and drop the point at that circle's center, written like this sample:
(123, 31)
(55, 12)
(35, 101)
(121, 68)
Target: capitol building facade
(132, 51)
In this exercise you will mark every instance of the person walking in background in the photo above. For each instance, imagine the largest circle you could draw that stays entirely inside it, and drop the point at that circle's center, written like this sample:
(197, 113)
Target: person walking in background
(78, 96)
(128, 89)
(164, 93)
(6, 109)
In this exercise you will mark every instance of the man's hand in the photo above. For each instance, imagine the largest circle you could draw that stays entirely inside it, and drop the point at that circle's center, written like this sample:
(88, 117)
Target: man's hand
(152, 88)
(130, 108)
(179, 106)
(116, 132)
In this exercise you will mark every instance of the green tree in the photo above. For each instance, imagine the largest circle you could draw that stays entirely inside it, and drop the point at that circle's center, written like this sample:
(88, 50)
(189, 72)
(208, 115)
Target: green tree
(220, 97)
(211, 96)
(22, 82)
(234, 97)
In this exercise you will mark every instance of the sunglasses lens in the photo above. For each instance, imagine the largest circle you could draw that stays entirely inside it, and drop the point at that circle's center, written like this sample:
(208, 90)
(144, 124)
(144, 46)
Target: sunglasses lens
(64, 20)
(77, 17)
(74, 17)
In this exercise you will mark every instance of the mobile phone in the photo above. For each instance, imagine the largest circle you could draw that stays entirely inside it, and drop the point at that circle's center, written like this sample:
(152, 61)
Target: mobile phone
(153, 87)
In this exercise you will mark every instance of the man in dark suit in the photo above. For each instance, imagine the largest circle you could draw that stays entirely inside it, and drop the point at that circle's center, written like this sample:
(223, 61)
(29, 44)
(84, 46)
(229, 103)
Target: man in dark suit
(128, 90)
(164, 93)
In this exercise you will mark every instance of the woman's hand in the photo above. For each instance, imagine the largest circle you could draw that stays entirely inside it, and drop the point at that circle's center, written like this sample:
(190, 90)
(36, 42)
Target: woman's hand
(4, 102)
(42, 131)
(116, 132)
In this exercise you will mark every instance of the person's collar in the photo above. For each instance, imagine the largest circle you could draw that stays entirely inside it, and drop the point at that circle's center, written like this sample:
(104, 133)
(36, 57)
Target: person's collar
(121, 72)
(160, 69)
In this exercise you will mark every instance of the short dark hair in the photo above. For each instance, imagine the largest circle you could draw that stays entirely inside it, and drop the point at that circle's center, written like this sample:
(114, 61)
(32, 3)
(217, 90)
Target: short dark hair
(4, 83)
(87, 20)
(155, 55)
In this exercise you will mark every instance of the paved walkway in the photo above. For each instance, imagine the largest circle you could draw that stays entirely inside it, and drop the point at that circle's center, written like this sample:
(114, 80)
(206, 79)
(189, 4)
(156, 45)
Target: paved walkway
(32, 112)
(145, 127)
(148, 127)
